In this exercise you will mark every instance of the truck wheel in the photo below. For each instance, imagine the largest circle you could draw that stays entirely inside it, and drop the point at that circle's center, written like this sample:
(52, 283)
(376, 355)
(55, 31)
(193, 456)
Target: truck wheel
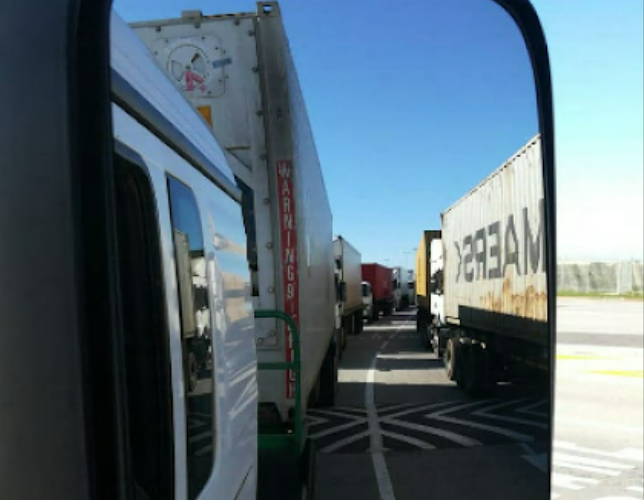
(328, 377)
(451, 358)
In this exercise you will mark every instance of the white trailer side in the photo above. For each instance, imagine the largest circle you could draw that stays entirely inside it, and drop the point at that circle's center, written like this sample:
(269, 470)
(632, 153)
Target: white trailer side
(238, 71)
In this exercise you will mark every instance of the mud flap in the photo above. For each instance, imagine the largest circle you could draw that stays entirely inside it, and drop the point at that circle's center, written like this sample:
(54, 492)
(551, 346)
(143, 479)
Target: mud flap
(286, 475)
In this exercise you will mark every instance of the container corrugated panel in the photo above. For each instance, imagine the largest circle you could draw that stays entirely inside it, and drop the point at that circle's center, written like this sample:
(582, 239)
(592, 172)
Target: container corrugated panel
(381, 280)
(494, 251)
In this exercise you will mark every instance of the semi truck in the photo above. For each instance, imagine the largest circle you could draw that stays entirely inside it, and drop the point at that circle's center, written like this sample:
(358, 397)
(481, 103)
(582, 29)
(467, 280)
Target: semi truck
(401, 288)
(238, 73)
(487, 282)
(381, 280)
(348, 262)
(423, 285)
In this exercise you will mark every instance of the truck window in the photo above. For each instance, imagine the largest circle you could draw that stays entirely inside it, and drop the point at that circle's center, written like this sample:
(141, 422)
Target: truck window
(248, 213)
(195, 333)
(147, 360)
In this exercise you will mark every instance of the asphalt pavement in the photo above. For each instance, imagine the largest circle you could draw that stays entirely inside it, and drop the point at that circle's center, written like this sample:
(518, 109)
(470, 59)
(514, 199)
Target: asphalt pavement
(400, 430)
(599, 407)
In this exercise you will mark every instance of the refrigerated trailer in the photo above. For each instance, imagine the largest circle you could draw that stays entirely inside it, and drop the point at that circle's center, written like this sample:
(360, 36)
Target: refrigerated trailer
(348, 262)
(487, 279)
(381, 280)
(238, 73)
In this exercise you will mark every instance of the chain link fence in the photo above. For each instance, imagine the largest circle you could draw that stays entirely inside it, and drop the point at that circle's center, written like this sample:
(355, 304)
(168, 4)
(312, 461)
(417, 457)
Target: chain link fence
(600, 277)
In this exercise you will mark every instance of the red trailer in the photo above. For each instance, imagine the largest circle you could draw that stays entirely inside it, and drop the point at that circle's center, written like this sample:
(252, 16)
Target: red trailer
(381, 279)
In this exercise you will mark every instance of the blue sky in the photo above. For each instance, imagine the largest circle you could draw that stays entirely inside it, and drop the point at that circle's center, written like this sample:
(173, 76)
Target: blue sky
(412, 107)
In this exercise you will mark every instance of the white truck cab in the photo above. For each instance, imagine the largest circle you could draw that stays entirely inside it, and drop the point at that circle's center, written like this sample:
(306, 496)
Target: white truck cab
(191, 366)
(367, 300)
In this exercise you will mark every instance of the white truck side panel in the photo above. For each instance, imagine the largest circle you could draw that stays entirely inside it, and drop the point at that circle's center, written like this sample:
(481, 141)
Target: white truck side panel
(250, 88)
(231, 312)
(351, 262)
(493, 243)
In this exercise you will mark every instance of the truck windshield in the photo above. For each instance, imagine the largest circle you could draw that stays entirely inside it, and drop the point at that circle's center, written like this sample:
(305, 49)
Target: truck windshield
(365, 290)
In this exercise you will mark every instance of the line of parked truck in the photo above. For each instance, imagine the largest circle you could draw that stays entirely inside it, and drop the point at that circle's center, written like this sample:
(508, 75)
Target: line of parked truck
(234, 300)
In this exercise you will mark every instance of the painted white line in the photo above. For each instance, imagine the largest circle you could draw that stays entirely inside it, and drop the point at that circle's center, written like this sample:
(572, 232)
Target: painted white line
(567, 481)
(590, 461)
(626, 454)
(529, 410)
(333, 430)
(343, 442)
(451, 436)
(440, 415)
(565, 464)
(600, 425)
(313, 420)
(385, 487)
(485, 413)
(417, 409)
(409, 440)
(639, 489)
(342, 415)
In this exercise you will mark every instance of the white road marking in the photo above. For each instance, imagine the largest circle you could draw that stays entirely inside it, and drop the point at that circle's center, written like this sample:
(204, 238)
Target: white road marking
(529, 410)
(595, 462)
(408, 439)
(343, 442)
(338, 428)
(639, 489)
(601, 425)
(568, 464)
(626, 454)
(569, 482)
(451, 436)
(385, 487)
(485, 413)
(440, 415)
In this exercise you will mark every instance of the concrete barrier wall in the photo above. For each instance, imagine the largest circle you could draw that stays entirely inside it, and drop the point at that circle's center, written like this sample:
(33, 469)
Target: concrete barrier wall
(600, 277)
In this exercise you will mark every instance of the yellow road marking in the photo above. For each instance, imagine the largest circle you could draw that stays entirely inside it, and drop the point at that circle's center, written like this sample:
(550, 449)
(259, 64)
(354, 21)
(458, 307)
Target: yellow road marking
(621, 373)
(583, 357)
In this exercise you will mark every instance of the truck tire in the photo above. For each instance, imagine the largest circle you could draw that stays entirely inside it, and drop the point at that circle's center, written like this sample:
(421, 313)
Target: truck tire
(328, 378)
(451, 358)
(477, 372)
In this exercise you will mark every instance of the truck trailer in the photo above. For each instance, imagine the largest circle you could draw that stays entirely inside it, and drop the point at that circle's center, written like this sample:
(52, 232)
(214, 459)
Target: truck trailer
(381, 280)
(487, 280)
(348, 262)
(238, 72)
(423, 278)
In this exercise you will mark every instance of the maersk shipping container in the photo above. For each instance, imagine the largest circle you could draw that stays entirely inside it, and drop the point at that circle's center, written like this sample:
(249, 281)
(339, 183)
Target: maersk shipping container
(238, 72)
(493, 249)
